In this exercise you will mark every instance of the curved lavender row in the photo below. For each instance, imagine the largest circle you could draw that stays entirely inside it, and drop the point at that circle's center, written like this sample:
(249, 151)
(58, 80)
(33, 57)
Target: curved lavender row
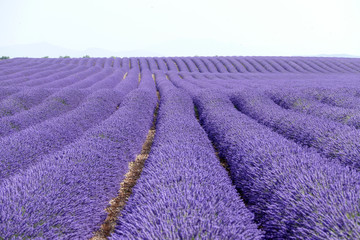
(109, 62)
(170, 64)
(331, 66)
(147, 81)
(21, 72)
(180, 64)
(24, 80)
(75, 61)
(229, 66)
(353, 65)
(83, 61)
(22, 62)
(10, 62)
(162, 83)
(22, 149)
(294, 193)
(200, 65)
(345, 64)
(219, 65)
(110, 81)
(69, 61)
(292, 99)
(302, 81)
(239, 67)
(261, 64)
(283, 66)
(267, 65)
(126, 63)
(298, 66)
(160, 63)
(338, 66)
(152, 63)
(317, 62)
(64, 196)
(341, 67)
(126, 83)
(188, 66)
(55, 105)
(70, 79)
(184, 198)
(180, 83)
(202, 82)
(220, 80)
(141, 64)
(117, 62)
(316, 67)
(56, 60)
(279, 65)
(134, 63)
(259, 67)
(144, 65)
(8, 91)
(54, 77)
(190, 63)
(100, 62)
(225, 81)
(311, 65)
(130, 82)
(91, 62)
(334, 97)
(212, 68)
(274, 67)
(23, 100)
(38, 63)
(215, 64)
(92, 79)
(249, 67)
(334, 140)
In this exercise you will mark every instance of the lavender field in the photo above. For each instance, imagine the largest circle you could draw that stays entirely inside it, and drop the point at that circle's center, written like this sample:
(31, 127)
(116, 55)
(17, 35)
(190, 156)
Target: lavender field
(180, 148)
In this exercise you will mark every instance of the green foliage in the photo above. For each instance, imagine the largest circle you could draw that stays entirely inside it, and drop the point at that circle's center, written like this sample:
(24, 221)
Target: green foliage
(86, 56)
(46, 57)
(4, 57)
(64, 57)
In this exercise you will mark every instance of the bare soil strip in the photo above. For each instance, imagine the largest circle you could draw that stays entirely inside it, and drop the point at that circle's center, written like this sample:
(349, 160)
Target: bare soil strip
(135, 169)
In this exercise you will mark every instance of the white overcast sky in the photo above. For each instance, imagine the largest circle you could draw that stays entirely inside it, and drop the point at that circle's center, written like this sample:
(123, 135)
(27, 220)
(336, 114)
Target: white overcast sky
(186, 27)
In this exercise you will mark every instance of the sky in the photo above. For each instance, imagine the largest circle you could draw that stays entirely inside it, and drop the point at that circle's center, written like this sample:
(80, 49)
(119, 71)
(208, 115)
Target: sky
(180, 28)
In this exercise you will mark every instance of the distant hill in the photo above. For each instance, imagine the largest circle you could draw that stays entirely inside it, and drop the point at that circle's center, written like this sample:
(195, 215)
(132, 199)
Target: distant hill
(38, 50)
(176, 47)
(338, 55)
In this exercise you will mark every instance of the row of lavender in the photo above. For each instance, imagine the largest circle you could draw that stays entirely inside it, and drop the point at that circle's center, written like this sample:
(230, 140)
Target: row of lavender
(40, 117)
(21, 107)
(294, 191)
(65, 160)
(51, 162)
(328, 125)
(198, 64)
(59, 175)
(183, 191)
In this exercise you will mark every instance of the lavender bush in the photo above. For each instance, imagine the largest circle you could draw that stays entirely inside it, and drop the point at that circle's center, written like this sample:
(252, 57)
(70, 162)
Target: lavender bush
(274, 154)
